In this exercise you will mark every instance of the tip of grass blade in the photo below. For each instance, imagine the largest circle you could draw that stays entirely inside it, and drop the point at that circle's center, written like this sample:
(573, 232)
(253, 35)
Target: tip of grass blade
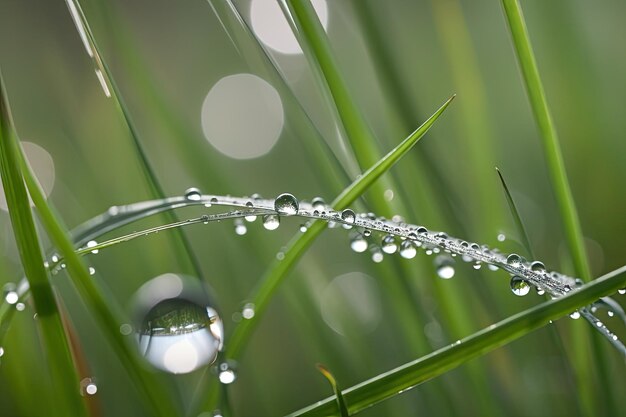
(333, 383)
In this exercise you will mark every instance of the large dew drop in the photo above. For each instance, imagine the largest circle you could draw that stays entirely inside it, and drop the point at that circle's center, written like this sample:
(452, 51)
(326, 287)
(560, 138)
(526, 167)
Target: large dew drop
(348, 216)
(286, 205)
(358, 243)
(271, 222)
(445, 266)
(519, 286)
(408, 249)
(389, 244)
(178, 330)
(193, 194)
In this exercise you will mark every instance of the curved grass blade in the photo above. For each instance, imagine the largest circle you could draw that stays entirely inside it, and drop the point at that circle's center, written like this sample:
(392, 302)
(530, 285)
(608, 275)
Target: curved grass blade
(407, 376)
(295, 249)
(67, 400)
(157, 398)
(341, 403)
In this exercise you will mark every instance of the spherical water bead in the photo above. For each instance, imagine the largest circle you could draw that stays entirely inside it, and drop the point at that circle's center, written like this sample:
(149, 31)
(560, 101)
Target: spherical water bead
(408, 249)
(177, 329)
(537, 266)
(575, 315)
(20, 306)
(240, 227)
(367, 232)
(318, 203)
(389, 244)
(477, 265)
(514, 260)
(193, 194)
(377, 255)
(10, 293)
(358, 243)
(622, 291)
(286, 205)
(501, 237)
(247, 312)
(540, 291)
(271, 221)
(348, 216)
(303, 228)
(91, 244)
(250, 218)
(88, 387)
(421, 230)
(519, 286)
(445, 266)
(226, 373)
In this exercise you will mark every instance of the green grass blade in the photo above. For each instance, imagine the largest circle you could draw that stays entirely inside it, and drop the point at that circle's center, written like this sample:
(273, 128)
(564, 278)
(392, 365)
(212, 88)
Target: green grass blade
(98, 305)
(67, 399)
(300, 243)
(341, 403)
(550, 141)
(428, 367)
(113, 92)
(516, 217)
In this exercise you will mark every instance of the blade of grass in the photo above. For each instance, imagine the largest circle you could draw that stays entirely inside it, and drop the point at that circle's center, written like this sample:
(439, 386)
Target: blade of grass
(341, 403)
(155, 397)
(67, 400)
(112, 91)
(295, 249)
(558, 179)
(519, 225)
(407, 376)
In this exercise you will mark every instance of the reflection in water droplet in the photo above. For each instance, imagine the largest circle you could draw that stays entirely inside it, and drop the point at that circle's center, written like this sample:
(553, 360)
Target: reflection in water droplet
(445, 266)
(91, 244)
(514, 260)
(286, 205)
(271, 221)
(389, 244)
(226, 373)
(193, 194)
(358, 243)
(177, 329)
(250, 218)
(519, 286)
(622, 291)
(537, 266)
(348, 216)
(575, 315)
(408, 249)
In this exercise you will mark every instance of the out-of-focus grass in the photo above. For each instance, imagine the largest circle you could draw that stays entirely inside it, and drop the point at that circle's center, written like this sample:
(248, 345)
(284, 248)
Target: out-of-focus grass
(165, 57)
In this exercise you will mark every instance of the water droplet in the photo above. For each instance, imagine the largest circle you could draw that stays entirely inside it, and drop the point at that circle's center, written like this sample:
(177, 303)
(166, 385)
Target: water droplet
(318, 203)
(389, 244)
(348, 216)
(540, 291)
(271, 221)
(88, 387)
(126, 329)
(575, 315)
(422, 230)
(514, 260)
(247, 312)
(226, 373)
(622, 291)
(377, 255)
(286, 205)
(1, 351)
(10, 293)
(91, 244)
(193, 194)
(477, 265)
(445, 266)
(367, 232)
(240, 227)
(492, 267)
(178, 331)
(358, 243)
(501, 237)
(20, 306)
(519, 286)
(303, 228)
(92, 270)
(537, 266)
(408, 249)
(250, 218)
(610, 313)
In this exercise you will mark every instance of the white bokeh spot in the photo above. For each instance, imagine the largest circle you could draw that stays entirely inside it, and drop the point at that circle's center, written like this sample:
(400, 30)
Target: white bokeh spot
(242, 116)
(269, 24)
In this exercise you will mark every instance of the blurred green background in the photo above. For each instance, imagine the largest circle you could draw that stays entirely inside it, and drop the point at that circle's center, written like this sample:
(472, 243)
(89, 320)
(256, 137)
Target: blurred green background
(247, 134)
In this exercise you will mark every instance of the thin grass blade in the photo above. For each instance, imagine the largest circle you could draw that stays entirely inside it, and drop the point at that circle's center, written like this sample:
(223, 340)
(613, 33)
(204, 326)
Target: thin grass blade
(516, 217)
(341, 403)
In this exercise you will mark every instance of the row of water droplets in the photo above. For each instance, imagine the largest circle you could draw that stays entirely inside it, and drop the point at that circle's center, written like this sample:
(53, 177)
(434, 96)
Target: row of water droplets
(368, 232)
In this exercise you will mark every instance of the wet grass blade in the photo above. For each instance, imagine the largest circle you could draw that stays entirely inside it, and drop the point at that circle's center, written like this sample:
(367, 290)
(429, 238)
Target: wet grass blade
(516, 217)
(391, 383)
(549, 138)
(158, 399)
(67, 400)
(278, 270)
(341, 404)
